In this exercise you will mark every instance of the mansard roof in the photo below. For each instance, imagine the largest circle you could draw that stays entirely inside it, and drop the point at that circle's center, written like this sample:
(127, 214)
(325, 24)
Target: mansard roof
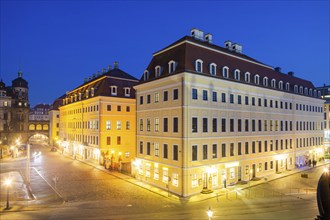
(187, 50)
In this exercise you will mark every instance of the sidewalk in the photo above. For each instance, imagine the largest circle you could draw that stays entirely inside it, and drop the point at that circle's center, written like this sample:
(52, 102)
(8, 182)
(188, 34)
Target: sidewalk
(200, 196)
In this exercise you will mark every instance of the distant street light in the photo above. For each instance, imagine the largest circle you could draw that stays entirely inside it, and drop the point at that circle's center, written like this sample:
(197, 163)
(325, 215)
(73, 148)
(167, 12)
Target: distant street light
(209, 213)
(7, 183)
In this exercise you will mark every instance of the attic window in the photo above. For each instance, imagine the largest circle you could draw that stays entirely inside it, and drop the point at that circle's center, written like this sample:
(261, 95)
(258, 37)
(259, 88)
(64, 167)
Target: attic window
(92, 92)
(87, 93)
(237, 74)
(273, 83)
(79, 96)
(158, 71)
(295, 89)
(306, 91)
(171, 66)
(256, 79)
(310, 92)
(265, 81)
(287, 86)
(225, 71)
(127, 91)
(146, 75)
(113, 90)
(247, 77)
(199, 65)
(301, 90)
(280, 85)
(213, 69)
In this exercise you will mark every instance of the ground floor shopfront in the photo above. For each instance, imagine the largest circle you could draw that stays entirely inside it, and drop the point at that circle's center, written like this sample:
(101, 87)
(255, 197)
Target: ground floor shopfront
(203, 179)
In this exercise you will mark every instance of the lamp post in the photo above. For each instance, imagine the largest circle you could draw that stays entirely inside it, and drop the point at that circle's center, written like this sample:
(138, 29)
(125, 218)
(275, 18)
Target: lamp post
(209, 213)
(7, 183)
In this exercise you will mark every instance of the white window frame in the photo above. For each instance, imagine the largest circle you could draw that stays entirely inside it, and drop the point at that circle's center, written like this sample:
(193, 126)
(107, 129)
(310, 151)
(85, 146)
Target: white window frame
(265, 81)
(273, 83)
(256, 79)
(295, 88)
(172, 62)
(213, 66)
(146, 75)
(113, 90)
(199, 61)
(287, 86)
(247, 77)
(127, 91)
(158, 72)
(280, 85)
(225, 72)
(237, 74)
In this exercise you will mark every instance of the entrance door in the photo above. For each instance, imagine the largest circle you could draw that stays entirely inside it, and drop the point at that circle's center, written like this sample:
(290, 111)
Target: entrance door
(239, 174)
(276, 166)
(253, 170)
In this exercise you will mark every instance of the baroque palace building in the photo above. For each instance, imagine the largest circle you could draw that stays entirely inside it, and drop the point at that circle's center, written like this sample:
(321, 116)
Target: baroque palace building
(211, 116)
(325, 95)
(98, 119)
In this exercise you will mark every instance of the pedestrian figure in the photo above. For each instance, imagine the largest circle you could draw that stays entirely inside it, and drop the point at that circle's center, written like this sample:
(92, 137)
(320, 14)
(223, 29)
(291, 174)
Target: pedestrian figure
(309, 163)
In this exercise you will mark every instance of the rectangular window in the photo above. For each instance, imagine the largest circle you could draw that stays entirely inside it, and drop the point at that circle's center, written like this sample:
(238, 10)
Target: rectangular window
(108, 140)
(246, 124)
(214, 96)
(231, 98)
(214, 151)
(128, 109)
(128, 125)
(259, 125)
(194, 94)
(148, 124)
(239, 125)
(194, 125)
(118, 125)
(265, 146)
(205, 95)
(165, 124)
(214, 125)
(253, 101)
(156, 149)
(175, 152)
(175, 179)
(204, 124)
(259, 146)
(223, 97)
(232, 125)
(232, 149)
(108, 125)
(118, 140)
(266, 166)
(141, 100)
(141, 124)
(156, 97)
(239, 99)
(175, 94)
(141, 147)
(118, 108)
(253, 125)
(194, 153)
(246, 100)
(246, 147)
(239, 148)
(165, 151)
(223, 125)
(175, 124)
(148, 148)
(165, 175)
(253, 147)
(156, 124)
(223, 150)
(148, 99)
(156, 172)
(204, 152)
(108, 107)
(165, 96)
(265, 102)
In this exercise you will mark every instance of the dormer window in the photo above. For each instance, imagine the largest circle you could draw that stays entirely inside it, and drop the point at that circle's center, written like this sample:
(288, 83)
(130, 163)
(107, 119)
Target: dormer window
(280, 85)
(273, 83)
(225, 72)
(301, 90)
(171, 66)
(87, 93)
(146, 75)
(287, 86)
(256, 79)
(265, 81)
(306, 91)
(247, 77)
(158, 71)
(310, 92)
(295, 89)
(319, 94)
(199, 65)
(213, 69)
(315, 93)
(92, 92)
(75, 97)
(113, 90)
(237, 74)
(127, 91)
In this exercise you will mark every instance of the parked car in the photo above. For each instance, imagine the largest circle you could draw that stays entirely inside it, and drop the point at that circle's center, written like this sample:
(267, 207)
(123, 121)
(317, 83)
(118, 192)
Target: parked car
(53, 149)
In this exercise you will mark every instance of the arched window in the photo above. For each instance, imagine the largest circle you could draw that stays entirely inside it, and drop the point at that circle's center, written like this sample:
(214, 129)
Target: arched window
(265, 81)
(225, 71)
(315, 93)
(171, 66)
(310, 92)
(199, 65)
(45, 127)
(247, 77)
(158, 71)
(237, 74)
(146, 75)
(280, 85)
(32, 127)
(256, 79)
(306, 91)
(301, 90)
(213, 69)
(39, 127)
(273, 83)
(295, 89)
(287, 86)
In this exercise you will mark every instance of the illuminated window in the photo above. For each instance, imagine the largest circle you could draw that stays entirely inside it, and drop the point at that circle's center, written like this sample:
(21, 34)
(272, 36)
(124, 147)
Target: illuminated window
(108, 125)
(156, 124)
(232, 172)
(194, 181)
(118, 125)
(156, 172)
(165, 175)
(156, 149)
(148, 166)
(175, 179)
(156, 97)
(148, 124)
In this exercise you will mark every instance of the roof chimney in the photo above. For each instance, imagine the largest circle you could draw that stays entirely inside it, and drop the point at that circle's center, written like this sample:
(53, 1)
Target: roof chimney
(85, 80)
(89, 78)
(197, 34)
(115, 65)
(278, 69)
(93, 75)
(291, 73)
(109, 68)
(237, 48)
(228, 44)
(208, 38)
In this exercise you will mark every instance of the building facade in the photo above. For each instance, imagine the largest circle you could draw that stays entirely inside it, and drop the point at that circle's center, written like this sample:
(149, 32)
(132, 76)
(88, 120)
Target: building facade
(210, 116)
(39, 112)
(98, 119)
(54, 121)
(325, 95)
(14, 111)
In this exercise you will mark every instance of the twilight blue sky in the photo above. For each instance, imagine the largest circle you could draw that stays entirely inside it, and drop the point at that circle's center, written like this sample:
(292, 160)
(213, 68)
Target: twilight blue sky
(58, 43)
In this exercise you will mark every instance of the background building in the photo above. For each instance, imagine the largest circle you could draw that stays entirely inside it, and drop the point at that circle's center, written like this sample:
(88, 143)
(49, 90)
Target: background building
(54, 121)
(325, 94)
(14, 111)
(210, 116)
(98, 119)
(39, 112)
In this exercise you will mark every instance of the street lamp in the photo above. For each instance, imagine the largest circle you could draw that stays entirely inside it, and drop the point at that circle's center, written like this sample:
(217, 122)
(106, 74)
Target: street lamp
(7, 183)
(209, 213)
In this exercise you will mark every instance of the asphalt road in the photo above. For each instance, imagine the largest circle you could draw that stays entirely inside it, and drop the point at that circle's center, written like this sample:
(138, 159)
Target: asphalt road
(93, 194)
